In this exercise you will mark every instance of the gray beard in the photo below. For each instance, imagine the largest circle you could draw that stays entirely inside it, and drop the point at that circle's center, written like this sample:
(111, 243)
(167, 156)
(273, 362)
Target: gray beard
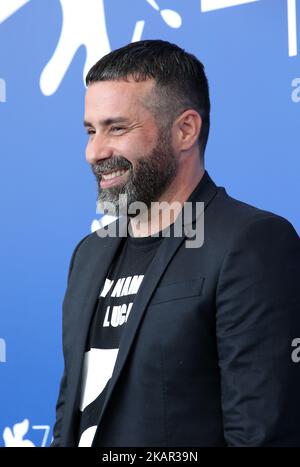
(151, 177)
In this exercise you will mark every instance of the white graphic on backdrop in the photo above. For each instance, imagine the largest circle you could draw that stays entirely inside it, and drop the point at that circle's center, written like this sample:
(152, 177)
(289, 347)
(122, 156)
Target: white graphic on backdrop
(84, 24)
(15, 437)
(9, 7)
(171, 17)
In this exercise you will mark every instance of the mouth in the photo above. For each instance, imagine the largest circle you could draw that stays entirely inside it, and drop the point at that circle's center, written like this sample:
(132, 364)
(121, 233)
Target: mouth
(113, 178)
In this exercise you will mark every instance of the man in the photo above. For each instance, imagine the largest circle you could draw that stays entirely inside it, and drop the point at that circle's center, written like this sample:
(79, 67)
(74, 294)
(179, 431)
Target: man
(167, 343)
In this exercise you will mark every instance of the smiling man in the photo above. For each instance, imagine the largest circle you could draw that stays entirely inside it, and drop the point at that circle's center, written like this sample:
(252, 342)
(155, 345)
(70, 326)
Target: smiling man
(129, 153)
(166, 344)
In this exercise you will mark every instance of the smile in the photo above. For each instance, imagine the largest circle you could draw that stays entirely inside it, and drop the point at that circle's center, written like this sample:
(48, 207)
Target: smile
(113, 178)
(111, 175)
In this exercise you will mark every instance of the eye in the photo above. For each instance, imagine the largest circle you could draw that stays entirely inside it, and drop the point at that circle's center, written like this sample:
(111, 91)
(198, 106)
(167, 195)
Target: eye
(117, 129)
(89, 131)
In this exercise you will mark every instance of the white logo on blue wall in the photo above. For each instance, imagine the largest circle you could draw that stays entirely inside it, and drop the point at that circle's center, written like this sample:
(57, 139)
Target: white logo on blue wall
(17, 436)
(83, 24)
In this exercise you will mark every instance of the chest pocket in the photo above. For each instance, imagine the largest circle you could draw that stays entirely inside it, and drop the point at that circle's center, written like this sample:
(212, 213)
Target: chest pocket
(178, 290)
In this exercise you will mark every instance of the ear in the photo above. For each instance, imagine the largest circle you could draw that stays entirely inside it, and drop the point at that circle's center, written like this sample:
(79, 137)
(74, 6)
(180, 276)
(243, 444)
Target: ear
(186, 129)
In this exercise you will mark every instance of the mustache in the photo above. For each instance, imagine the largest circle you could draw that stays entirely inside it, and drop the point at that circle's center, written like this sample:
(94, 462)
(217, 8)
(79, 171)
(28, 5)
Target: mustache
(110, 165)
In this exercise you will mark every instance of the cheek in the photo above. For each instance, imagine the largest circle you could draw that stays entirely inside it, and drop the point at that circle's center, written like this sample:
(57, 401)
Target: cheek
(136, 148)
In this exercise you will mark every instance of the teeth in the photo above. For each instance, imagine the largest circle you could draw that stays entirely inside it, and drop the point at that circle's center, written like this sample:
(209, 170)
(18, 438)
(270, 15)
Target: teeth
(112, 175)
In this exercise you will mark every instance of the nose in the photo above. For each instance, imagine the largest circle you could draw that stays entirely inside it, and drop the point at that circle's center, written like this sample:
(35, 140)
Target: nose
(98, 149)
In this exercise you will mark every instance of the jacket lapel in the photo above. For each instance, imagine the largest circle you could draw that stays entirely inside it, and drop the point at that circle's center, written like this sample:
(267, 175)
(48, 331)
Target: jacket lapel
(104, 251)
(82, 307)
(205, 192)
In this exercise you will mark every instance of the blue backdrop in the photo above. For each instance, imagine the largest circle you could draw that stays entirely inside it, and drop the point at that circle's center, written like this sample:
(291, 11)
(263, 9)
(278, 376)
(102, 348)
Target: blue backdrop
(48, 192)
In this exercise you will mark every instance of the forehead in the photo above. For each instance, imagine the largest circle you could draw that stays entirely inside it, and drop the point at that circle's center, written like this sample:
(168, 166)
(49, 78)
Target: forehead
(107, 97)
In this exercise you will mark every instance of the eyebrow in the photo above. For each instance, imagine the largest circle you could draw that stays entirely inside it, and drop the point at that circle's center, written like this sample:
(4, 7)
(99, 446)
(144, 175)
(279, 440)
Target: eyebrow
(107, 121)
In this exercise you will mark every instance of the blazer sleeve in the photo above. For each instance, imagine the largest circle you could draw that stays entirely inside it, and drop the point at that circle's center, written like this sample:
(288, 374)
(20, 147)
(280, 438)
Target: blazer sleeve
(257, 318)
(59, 412)
(63, 383)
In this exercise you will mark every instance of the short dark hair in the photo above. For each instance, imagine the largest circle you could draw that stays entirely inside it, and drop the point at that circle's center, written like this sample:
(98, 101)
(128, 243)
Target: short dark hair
(180, 80)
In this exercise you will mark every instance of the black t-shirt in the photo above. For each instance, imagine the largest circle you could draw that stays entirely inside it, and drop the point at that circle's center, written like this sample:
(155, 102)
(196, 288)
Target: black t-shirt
(112, 312)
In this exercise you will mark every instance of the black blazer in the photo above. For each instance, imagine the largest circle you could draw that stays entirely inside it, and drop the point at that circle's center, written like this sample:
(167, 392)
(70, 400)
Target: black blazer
(205, 358)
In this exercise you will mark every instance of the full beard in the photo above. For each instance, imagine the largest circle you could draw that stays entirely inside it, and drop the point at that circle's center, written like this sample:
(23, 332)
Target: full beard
(145, 183)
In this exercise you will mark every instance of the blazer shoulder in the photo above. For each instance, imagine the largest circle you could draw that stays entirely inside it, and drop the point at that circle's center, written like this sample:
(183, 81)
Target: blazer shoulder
(237, 214)
(87, 244)
(229, 221)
